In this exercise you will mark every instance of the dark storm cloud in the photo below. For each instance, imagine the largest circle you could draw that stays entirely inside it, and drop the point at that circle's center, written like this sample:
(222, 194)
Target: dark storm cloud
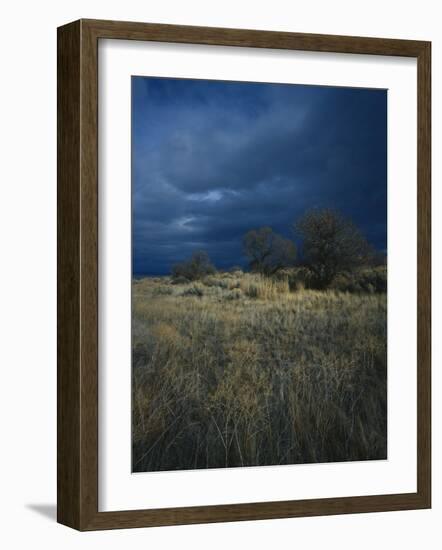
(213, 159)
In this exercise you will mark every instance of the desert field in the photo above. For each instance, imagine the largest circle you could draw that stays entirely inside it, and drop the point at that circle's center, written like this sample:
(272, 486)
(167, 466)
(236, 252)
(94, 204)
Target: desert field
(239, 369)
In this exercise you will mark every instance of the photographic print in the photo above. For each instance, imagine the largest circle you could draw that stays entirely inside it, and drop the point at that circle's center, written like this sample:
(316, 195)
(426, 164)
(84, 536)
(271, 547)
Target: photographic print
(259, 274)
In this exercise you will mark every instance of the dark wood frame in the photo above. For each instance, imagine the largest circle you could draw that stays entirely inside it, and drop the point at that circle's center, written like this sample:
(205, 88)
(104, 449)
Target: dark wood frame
(78, 267)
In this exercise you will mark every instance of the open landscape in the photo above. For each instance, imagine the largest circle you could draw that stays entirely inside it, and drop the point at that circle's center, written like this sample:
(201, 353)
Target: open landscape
(241, 370)
(259, 263)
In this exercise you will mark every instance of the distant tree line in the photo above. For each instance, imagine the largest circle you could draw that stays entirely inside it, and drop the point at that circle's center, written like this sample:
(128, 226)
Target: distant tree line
(330, 245)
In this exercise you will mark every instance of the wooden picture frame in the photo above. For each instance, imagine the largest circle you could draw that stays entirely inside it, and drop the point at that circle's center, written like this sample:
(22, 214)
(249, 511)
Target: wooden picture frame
(78, 274)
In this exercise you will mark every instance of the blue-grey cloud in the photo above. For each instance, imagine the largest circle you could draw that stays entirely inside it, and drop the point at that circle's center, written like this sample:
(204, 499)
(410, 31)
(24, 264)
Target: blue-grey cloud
(213, 159)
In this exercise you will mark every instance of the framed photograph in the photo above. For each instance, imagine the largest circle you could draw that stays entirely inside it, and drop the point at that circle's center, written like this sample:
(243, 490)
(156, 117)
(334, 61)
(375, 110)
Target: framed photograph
(243, 275)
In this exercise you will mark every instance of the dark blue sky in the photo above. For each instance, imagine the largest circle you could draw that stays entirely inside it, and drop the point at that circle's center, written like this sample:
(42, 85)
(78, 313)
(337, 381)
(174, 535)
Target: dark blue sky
(212, 159)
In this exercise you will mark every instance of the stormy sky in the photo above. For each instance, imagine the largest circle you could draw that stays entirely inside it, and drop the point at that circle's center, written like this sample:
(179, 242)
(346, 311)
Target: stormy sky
(212, 159)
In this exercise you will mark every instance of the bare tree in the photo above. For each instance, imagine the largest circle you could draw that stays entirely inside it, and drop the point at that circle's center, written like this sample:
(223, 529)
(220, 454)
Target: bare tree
(196, 267)
(331, 244)
(267, 251)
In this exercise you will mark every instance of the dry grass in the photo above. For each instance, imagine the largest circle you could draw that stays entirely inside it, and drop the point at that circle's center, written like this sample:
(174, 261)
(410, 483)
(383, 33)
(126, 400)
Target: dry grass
(238, 371)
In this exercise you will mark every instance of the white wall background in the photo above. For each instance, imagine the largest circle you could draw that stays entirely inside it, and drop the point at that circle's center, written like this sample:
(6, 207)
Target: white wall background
(28, 270)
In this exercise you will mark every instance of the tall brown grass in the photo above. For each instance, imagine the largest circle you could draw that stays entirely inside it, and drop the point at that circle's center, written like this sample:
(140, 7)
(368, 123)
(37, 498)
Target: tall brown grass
(236, 370)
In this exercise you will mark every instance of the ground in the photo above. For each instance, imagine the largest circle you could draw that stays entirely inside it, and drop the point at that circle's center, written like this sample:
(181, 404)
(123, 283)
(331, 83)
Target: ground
(242, 370)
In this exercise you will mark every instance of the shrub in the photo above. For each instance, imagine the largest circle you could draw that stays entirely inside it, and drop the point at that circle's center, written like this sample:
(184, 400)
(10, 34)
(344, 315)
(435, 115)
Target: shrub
(263, 288)
(214, 281)
(179, 280)
(298, 278)
(235, 283)
(234, 294)
(371, 280)
(163, 291)
(198, 266)
(194, 290)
